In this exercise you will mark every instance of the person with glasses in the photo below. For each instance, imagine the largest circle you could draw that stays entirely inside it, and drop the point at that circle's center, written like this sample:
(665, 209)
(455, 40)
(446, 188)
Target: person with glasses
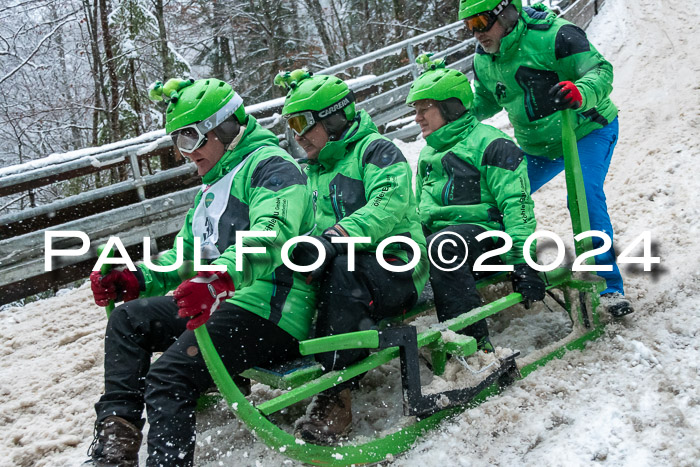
(533, 64)
(255, 308)
(471, 179)
(362, 190)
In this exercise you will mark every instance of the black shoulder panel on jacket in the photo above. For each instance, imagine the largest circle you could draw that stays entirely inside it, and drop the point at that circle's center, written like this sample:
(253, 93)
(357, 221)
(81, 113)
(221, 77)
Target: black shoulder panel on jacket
(276, 173)
(382, 153)
(570, 40)
(503, 153)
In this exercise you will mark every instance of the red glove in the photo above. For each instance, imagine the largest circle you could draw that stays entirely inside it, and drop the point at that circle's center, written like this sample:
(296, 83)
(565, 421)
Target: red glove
(566, 96)
(201, 295)
(116, 285)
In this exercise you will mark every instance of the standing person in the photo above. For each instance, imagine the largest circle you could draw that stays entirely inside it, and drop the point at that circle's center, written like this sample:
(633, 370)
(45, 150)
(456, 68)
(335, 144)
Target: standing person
(533, 64)
(362, 187)
(472, 178)
(249, 184)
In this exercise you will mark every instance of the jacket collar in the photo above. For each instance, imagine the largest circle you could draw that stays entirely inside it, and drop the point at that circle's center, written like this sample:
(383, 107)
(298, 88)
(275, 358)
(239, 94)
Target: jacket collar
(448, 135)
(253, 137)
(335, 151)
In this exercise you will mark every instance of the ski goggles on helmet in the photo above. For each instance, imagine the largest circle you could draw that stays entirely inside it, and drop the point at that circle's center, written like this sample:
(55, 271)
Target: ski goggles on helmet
(481, 22)
(301, 122)
(189, 138)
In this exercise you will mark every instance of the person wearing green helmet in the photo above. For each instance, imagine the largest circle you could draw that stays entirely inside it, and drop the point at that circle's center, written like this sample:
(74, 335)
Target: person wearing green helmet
(249, 184)
(533, 64)
(471, 179)
(361, 187)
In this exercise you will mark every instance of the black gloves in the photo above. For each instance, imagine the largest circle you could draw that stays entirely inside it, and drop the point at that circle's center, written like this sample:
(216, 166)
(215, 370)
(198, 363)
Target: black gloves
(565, 95)
(306, 253)
(527, 283)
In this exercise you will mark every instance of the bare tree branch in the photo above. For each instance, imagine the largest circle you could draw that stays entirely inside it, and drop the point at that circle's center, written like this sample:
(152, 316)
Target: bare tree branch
(36, 49)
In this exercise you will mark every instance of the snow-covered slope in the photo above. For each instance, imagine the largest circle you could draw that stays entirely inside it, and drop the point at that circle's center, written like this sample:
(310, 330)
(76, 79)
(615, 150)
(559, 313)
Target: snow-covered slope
(632, 398)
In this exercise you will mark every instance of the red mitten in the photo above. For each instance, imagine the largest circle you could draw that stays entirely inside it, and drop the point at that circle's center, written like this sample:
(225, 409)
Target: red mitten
(116, 285)
(198, 297)
(566, 96)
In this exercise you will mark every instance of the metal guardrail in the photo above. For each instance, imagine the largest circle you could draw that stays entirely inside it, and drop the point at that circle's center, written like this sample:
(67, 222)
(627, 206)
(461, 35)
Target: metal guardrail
(160, 217)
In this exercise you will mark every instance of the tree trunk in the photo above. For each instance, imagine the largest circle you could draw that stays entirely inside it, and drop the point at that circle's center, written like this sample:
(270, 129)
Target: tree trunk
(163, 51)
(112, 107)
(344, 36)
(316, 12)
(67, 90)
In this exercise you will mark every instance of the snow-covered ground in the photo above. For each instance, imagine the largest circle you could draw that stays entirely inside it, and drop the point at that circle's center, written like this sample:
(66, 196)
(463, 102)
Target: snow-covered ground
(632, 398)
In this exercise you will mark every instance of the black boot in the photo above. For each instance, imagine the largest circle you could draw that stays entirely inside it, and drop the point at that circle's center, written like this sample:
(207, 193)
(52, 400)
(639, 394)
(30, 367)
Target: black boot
(616, 304)
(329, 417)
(116, 444)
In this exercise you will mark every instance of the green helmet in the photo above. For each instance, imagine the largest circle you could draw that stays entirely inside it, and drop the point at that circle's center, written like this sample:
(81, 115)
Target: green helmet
(193, 101)
(440, 83)
(469, 8)
(321, 94)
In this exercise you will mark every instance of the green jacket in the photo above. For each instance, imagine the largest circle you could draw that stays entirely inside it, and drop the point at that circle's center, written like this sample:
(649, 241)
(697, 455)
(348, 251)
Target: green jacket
(541, 51)
(267, 193)
(471, 173)
(363, 183)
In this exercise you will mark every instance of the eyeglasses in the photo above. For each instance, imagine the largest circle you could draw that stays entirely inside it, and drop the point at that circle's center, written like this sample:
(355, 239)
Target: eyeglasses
(301, 122)
(481, 22)
(422, 108)
(191, 137)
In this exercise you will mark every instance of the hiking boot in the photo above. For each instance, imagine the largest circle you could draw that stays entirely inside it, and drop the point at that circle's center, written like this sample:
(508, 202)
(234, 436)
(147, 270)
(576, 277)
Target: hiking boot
(616, 304)
(328, 418)
(116, 444)
(484, 344)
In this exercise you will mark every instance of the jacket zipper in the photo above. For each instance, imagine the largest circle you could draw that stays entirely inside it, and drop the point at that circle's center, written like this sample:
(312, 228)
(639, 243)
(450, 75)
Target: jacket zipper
(334, 203)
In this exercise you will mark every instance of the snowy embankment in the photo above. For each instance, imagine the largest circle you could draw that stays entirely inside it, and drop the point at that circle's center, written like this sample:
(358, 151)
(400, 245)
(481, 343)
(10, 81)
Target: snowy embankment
(632, 398)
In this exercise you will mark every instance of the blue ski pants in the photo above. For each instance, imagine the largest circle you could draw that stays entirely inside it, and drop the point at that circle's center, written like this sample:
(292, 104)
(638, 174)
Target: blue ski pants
(595, 152)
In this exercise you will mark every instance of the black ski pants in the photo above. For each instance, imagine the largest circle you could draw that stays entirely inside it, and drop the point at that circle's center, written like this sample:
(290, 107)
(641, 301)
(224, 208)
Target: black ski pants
(171, 385)
(356, 301)
(455, 291)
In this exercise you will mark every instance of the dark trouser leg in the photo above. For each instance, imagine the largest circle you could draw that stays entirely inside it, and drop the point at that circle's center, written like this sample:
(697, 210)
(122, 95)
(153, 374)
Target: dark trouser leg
(355, 301)
(455, 290)
(135, 330)
(176, 380)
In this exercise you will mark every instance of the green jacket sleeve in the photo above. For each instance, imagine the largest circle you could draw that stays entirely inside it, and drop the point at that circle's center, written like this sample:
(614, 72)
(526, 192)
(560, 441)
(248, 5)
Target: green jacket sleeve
(388, 190)
(506, 177)
(580, 62)
(277, 200)
(160, 283)
(484, 105)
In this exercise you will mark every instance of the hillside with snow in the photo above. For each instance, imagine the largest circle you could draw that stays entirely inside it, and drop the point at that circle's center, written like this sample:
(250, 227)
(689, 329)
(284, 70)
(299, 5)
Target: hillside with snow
(632, 398)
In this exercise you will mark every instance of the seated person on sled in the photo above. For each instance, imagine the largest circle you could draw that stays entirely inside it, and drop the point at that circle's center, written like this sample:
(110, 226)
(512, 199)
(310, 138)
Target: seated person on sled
(471, 179)
(250, 183)
(361, 186)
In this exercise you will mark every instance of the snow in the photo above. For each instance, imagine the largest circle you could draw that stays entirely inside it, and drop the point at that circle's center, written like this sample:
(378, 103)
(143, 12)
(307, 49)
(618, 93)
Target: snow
(632, 398)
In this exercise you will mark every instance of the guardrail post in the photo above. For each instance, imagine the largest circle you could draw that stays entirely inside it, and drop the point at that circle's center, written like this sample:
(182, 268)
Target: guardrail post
(138, 178)
(412, 61)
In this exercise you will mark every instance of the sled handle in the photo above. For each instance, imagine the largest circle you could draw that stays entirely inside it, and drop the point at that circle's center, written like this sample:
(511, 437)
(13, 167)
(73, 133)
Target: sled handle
(575, 189)
(351, 340)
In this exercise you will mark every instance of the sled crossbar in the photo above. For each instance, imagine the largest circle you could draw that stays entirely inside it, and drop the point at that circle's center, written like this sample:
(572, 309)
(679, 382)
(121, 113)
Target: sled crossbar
(299, 372)
(370, 339)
